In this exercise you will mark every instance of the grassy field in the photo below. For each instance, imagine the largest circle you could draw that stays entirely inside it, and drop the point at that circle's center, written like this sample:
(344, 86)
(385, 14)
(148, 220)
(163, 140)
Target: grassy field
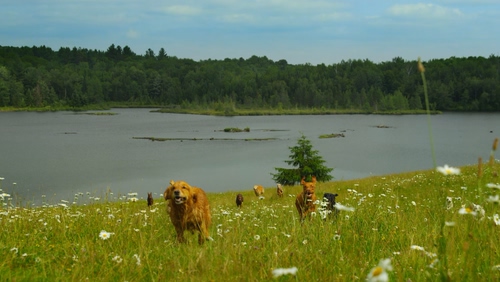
(397, 217)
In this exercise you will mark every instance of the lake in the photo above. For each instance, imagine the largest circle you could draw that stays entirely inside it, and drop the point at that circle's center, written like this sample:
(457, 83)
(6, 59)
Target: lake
(60, 154)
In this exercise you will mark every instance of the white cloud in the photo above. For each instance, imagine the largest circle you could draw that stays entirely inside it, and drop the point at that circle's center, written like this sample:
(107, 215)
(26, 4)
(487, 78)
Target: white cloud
(183, 10)
(425, 11)
(334, 16)
(242, 18)
(132, 33)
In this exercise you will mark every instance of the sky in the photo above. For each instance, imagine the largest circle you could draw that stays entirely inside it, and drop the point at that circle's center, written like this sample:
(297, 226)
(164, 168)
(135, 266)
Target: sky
(298, 31)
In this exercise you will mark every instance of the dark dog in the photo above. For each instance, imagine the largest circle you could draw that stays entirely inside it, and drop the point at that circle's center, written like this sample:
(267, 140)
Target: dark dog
(150, 199)
(239, 200)
(330, 197)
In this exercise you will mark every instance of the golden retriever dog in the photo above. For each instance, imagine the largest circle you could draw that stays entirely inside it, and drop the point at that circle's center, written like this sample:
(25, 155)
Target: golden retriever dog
(279, 190)
(305, 199)
(258, 190)
(188, 209)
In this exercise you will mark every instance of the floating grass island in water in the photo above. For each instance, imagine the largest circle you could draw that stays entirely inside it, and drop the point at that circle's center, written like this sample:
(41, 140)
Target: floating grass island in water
(332, 135)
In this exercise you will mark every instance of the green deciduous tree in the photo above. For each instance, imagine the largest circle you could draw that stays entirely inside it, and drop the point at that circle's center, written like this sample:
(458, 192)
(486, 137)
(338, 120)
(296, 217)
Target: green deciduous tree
(306, 162)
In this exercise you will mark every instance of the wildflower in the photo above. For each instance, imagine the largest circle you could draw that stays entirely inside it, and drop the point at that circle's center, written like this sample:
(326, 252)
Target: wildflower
(465, 210)
(413, 203)
(136, 256)
(479, 209)
(493, 199)
(287, 235)
(284, 271)
(336, 237)
(14, 250)
(117, 259)
(256, 237)
(496, 267)
(304, 242)
(341, 207)
(418, 248)
(379, 273)
(449, 223)
(433, 263)
(132, 194)
(133, 199)
(261, 198)
(449, 203)
(448, 170)
(493, 185)
(496, 219)
(105, 235)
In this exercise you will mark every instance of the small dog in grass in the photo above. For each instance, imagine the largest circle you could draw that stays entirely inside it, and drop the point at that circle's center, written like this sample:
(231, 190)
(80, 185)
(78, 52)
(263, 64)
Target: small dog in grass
(258, 190)
(239, 200)
(305, 199)
(150, 199)
(279, 190)
(330, 198)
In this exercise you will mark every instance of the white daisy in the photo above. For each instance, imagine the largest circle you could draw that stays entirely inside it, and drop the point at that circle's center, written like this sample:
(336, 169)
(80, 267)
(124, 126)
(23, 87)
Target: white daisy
(379, 273)
(105, 235)
(448, 170)
(465, 210)
(284, 271)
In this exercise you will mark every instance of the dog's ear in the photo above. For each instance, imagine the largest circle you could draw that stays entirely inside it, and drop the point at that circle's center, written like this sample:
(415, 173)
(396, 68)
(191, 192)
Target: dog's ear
(313, 179)
(172, 182)
(168, 193)
(303, 180)
(335, 194)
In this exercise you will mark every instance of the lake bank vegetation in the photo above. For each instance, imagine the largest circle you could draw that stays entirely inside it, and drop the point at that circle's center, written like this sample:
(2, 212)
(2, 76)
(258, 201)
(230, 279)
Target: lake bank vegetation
(42, 79)
(118, 237)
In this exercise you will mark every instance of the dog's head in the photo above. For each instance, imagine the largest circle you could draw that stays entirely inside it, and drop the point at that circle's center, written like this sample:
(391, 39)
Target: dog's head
(330, 197)
(308, 187)
(279, 187)
(179, 192)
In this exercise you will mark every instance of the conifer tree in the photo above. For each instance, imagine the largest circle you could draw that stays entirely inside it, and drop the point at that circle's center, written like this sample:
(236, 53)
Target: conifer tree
(306, 162)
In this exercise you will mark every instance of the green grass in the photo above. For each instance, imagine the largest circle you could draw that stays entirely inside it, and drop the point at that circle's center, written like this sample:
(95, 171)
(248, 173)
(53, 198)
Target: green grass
(392, 213)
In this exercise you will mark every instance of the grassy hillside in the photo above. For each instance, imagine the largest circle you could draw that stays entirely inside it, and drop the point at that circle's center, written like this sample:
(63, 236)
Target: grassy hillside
(396, 216)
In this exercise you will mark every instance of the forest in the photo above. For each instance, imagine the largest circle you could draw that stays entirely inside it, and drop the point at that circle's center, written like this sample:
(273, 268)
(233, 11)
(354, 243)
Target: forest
(39, 77)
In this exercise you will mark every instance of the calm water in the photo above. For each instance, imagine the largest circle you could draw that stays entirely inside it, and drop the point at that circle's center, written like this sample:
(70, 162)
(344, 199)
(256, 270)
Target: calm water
(63, 153)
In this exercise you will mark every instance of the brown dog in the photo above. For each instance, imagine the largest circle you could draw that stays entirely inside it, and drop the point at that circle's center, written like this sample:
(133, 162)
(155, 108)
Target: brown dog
(189, 210)
(279, 190)
(150, 199)
(258, 190)
(239, 200)
(305, 199)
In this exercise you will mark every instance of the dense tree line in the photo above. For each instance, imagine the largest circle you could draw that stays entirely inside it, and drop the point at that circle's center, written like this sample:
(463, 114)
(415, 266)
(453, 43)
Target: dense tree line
(39, 77)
